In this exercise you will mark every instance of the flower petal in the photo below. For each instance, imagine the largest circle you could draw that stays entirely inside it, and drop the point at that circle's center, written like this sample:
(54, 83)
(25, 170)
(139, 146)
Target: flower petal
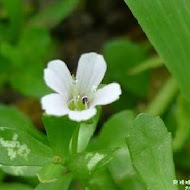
(58, 77)
(82, 115)
(54, 104)
(90, 72)
(107, 94)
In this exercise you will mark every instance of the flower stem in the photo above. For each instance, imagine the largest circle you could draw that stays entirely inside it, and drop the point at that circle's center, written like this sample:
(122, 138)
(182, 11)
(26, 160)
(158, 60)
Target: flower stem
(74, 144)
(161, 102)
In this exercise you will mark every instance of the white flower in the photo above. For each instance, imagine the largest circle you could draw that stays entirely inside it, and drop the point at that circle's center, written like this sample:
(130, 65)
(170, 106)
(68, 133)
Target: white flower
(78, 96)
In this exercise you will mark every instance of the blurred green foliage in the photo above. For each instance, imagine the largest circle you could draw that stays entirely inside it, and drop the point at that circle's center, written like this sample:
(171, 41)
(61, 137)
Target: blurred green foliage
(124, 152)
(26, 44)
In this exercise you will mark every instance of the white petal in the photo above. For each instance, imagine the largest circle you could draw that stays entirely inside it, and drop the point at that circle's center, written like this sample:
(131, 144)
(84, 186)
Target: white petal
(82, 115)
(54, 104)
(107, 94)
(58, 77)
(90, 72)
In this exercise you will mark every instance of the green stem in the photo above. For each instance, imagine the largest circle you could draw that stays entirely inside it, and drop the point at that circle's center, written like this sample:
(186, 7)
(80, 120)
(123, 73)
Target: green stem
(164, 98)
(74, 144)
(152, 63)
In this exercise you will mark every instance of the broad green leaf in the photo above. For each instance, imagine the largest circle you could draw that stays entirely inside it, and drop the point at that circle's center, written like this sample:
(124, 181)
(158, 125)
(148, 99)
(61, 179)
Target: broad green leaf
(150, 147)
(54, 14)
(26, 171)
(11, 117)
(83, 165)
(115, 130)
(122, 56)
(166, 23)
(21, 149)
(15, 10)
(86, 131)
(61, 184)
(14, 186)
(59, 131)
(51, 172)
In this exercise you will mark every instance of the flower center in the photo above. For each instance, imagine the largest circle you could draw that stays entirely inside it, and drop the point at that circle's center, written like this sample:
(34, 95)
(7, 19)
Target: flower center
(77, 102)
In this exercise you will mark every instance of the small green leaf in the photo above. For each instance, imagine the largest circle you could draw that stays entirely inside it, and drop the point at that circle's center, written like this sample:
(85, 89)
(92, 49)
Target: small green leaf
(51, 16)
(150, 147)
(21, 149)
(119, 126)
(11, 117)
(83, 165)
(50, 173)
(59, 131)
(61, 184)
(122, 56)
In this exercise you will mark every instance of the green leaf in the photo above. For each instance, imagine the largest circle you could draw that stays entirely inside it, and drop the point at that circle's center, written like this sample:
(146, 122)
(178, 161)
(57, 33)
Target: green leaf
(83, 165)
(121, 169)
(86, 131)
(61, 184)
(21, 149)
(119, 125)
(59, 131)
(54, 14)
(50, 173)
(121, 57)
(166, 23)
(14, 186)
(150, 147)
(26, 171)
(11, 117)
